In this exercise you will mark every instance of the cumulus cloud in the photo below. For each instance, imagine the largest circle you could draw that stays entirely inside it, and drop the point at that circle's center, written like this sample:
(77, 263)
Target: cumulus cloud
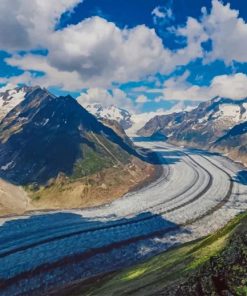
(227, 31)
(102, 53)
(230, 86)
(92, 53)
(26, 24)
(96, 53)
(105, 97)
(195, 35)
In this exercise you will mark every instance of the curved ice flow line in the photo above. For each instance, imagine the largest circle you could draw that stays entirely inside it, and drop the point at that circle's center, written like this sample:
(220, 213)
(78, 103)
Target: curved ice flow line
(114, 224)
(121, 243)
(78, 257)
(187, 190)
(66, 226)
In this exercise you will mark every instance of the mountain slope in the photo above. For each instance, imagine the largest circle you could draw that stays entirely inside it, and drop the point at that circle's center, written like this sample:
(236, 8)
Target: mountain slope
(64, 156)
(235, 137)
(234, 142)
(45, 135)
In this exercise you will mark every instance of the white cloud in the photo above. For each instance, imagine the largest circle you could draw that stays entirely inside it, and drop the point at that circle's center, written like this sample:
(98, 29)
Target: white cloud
(163, 14)
(103, 96)
(227, 31)
(102, 53)
(142, 99)
(229, 86)
(92, 53)
(25, 78)
(96, 53)
(195, 35)
(53, 77)
(158, 13)
(26, 24)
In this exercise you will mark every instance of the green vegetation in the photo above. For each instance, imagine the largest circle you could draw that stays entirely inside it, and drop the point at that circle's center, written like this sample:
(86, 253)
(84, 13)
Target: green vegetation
(90, 163)
(119, 154)
(188, 267)
(94, 160)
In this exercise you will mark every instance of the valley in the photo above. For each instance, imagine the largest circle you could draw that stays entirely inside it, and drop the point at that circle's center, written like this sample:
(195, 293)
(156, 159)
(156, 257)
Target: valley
(198, 193)
(123, 148)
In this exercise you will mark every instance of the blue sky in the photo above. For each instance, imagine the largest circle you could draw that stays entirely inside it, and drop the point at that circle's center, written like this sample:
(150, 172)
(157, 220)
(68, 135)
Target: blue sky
(143, 55)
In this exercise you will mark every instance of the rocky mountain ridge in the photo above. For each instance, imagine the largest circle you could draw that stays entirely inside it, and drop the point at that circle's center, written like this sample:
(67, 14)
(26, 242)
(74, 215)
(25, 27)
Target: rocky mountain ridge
(217, 124)
(46, 135)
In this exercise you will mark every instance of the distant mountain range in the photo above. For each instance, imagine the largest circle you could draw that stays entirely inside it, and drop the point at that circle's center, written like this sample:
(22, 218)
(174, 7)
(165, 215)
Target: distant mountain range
(219, 123)
(130, 122)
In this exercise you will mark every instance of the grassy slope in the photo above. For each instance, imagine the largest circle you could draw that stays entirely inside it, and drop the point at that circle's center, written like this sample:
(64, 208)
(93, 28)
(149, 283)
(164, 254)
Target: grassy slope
(93, 161)
(186, 270)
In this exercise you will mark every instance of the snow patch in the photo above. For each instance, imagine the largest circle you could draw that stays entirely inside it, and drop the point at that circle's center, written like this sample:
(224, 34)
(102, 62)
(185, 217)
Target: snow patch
(7, 166)
(229, 110)
(10, 99)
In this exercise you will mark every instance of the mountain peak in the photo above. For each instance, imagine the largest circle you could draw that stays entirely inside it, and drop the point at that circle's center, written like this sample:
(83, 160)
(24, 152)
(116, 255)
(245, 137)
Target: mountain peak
(111, 112)
(45, 135)
(11, 98)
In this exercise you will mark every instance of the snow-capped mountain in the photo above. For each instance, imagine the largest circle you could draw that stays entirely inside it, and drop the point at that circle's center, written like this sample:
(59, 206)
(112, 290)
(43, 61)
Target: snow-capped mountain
(46, 135)
(202, 126)
(123, 117)
(11, 98)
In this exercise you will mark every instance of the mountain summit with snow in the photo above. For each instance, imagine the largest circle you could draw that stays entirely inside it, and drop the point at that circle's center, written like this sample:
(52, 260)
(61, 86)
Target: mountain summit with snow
(203, 125)
(219, 123)
(11, 98)
(112, 112)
